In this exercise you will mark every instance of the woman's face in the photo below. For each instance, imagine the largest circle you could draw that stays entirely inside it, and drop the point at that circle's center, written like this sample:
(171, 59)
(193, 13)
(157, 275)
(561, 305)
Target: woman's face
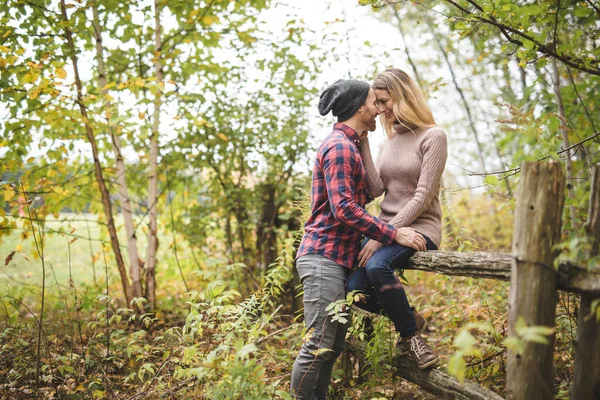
(385, 103)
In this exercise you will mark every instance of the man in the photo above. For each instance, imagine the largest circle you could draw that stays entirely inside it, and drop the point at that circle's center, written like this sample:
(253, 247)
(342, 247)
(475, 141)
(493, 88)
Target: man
(333, 232)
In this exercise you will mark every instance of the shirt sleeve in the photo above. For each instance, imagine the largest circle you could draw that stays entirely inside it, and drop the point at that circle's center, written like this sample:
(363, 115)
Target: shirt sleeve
(374, 182)
(339, 161)
(435, 153)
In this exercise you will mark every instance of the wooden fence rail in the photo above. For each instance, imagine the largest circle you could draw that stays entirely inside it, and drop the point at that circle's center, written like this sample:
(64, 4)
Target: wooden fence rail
(534, 282)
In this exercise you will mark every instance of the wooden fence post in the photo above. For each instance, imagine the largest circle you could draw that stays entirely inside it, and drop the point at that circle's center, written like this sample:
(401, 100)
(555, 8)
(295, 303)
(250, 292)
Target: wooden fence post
(586, 382)
(533, 290)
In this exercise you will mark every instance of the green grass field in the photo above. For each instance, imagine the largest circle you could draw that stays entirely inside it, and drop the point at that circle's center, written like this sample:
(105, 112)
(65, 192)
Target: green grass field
(78, 248)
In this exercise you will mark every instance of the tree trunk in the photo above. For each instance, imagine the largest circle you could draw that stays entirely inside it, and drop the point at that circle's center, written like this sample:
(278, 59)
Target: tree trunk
(126, 209)
(406, 50)
(106, 203)
(266, 239)
(565, 135)
(433, 380)
(533, 283)
(153, 161)
(586, 380)
(463, 99)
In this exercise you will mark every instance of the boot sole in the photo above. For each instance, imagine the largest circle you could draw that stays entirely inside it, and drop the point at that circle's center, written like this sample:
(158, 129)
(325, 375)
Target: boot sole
(429, 364)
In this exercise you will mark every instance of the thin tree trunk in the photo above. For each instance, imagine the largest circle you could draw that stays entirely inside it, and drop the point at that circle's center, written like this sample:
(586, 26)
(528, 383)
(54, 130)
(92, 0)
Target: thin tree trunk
(153, 178)
(465, 104)
(565, 135)
(114, 240)
(406, 50)
(490, 129)
(586, 377)
(126, 209)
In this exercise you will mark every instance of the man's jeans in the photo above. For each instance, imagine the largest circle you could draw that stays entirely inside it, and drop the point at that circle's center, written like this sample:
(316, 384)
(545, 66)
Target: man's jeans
(383, 291)
(323, 282)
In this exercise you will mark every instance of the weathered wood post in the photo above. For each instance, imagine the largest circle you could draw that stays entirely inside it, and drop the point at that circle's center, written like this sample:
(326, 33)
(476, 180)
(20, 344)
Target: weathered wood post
(533, 291)
(586, 382)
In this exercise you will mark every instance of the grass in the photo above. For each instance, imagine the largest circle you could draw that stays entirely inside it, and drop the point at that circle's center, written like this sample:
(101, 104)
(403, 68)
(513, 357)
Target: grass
(61, 236)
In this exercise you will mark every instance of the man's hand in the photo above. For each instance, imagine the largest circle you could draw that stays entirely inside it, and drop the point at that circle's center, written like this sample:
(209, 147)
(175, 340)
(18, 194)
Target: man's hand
(367, 251)
(410, 238)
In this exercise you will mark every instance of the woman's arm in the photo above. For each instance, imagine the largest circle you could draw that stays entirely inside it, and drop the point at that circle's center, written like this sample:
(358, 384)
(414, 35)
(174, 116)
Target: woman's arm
(374, 182)
(435, 152)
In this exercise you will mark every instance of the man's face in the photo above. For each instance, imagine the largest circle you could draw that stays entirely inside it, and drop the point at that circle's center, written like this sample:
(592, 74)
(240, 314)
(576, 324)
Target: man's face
(370, 112)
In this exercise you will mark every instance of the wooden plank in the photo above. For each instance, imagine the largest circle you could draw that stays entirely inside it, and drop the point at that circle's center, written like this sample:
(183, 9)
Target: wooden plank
(571, 278)
(586, 379)
(533, 283)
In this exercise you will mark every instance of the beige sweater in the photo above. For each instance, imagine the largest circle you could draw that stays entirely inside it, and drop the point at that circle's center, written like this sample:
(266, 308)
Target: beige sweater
(409, 169)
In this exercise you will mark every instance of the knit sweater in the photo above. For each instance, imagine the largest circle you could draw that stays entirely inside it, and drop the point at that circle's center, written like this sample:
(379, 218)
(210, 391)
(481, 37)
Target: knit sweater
(409, 169)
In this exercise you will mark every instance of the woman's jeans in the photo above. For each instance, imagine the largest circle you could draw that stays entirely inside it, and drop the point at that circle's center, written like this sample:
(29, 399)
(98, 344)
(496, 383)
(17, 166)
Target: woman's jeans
(383, 291)
(323, 282)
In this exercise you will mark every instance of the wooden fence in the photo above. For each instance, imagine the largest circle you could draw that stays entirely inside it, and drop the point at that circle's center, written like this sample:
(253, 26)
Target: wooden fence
(534, 281)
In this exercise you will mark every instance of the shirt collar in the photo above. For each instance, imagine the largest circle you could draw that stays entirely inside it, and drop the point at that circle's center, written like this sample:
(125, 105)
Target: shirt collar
(351, 133)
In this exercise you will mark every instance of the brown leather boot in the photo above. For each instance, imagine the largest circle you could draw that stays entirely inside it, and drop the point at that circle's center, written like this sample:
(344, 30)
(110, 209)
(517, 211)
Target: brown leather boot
(419, 351)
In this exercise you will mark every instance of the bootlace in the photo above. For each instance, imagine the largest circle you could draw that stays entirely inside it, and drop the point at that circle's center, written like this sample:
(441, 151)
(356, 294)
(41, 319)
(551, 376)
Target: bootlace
(417, 347)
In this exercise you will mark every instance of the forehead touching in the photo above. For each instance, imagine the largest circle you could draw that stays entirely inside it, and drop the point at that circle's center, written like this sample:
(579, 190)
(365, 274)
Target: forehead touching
(381, 93)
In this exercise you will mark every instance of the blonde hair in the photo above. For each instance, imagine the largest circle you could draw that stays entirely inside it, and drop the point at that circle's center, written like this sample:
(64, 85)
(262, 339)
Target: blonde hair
(410, 108)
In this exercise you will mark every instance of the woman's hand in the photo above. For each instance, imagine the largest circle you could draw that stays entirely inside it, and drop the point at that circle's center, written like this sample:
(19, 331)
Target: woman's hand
(410, 238)
(367, 251)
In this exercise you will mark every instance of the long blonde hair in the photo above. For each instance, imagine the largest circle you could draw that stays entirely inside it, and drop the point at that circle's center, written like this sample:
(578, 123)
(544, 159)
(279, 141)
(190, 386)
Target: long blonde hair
(410, 107)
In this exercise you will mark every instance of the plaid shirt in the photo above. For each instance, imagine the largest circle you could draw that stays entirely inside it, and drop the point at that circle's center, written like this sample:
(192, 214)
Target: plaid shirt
(339, 194)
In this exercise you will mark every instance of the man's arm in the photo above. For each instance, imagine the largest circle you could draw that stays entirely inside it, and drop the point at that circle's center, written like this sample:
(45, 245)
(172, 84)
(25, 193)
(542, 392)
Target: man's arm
(339, 160)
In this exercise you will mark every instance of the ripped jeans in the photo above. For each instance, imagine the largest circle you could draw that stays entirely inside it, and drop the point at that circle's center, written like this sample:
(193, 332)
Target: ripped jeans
(383, 291)
(323, 282)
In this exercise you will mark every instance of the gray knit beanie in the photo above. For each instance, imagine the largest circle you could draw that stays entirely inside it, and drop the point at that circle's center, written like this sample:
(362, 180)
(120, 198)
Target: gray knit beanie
(344, 98)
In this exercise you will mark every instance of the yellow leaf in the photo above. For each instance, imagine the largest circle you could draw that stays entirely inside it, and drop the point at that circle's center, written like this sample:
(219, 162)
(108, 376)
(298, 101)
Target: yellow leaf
(142, 115)
(209, 20)
(19, 248)
(222, 136)
(61, 73)
(34, 94)
(5, 49)
(2, 62)
(8, 32)
(9, 194)
(108, 97)
(108, 86)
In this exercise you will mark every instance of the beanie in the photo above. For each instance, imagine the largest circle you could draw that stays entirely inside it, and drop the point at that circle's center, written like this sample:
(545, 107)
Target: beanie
(343, 98)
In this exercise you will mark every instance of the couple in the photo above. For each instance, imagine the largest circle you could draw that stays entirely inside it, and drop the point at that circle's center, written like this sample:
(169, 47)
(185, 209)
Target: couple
(409, 168)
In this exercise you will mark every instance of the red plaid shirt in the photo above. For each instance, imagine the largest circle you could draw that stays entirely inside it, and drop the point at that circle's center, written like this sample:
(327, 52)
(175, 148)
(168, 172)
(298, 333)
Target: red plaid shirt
(339, 194)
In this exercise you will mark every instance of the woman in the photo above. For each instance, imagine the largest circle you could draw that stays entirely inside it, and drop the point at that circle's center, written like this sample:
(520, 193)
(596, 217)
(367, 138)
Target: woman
(409, 168)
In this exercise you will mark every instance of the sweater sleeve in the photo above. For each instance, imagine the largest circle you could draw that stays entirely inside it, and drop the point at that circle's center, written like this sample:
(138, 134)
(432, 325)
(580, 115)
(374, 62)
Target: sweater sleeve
(374, 182)
(339, 161)
(435, 153)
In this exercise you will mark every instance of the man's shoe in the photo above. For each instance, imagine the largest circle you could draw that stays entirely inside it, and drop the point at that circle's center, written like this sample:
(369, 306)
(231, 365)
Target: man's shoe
(420, 321)
(419, 351)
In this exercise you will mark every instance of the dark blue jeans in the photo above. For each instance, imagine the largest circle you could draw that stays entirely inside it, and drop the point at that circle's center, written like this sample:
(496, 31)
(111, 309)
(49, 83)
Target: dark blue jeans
(383, 291)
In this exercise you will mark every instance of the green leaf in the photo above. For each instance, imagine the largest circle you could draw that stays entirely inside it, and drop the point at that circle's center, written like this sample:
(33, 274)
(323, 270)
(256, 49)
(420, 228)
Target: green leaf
(464, 341)
(491, 180)
(528, 44)
(457, 366)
